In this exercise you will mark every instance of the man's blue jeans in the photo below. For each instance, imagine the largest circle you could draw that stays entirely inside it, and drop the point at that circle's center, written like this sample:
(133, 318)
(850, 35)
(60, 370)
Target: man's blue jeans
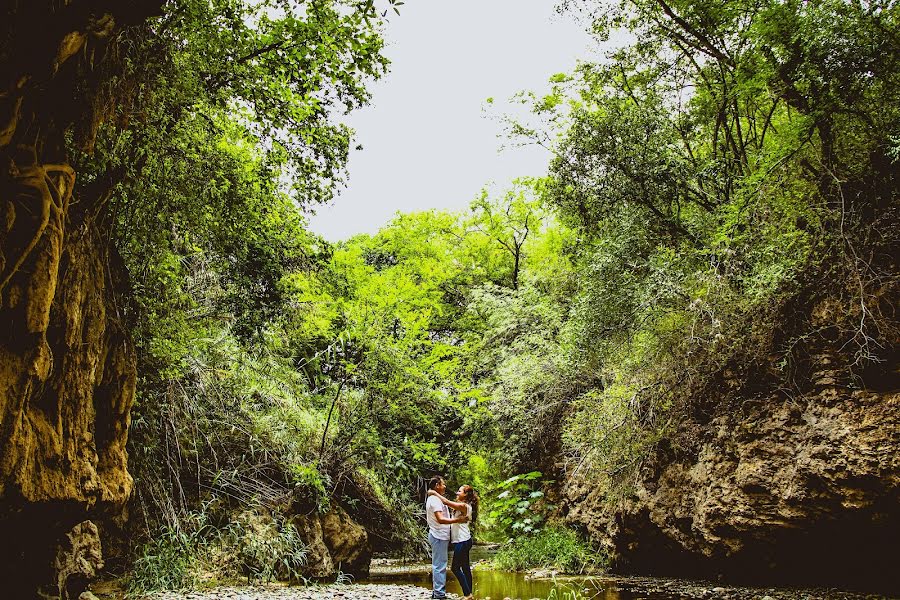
(438, 566)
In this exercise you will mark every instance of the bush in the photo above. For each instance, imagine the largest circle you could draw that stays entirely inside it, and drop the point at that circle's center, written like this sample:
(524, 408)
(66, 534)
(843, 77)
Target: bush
(275, 553)
(519, 507)
(165, 563)
(253, 544)
(552, 547)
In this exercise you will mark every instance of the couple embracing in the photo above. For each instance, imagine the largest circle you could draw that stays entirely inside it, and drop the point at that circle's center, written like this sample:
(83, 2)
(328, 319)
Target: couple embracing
(446, 530)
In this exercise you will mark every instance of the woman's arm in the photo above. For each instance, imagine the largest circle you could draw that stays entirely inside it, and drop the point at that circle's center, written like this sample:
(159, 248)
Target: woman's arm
(440, 518)
(460, 506)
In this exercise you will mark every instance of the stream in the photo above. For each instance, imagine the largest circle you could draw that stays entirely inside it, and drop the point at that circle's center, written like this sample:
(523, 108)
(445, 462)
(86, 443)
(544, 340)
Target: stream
(392, 579)
(502, 584)
(495, 584)
(499, 585)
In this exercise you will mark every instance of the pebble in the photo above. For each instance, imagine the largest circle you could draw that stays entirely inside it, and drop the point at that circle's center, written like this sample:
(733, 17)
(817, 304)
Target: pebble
(636, 587)
(356, 591)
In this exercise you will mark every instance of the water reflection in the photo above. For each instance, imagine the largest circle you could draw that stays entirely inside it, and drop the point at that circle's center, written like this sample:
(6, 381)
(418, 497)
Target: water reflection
(502, 584)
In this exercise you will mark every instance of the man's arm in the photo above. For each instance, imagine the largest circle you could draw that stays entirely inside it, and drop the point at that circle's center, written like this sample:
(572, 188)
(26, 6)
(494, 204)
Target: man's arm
(440, 518)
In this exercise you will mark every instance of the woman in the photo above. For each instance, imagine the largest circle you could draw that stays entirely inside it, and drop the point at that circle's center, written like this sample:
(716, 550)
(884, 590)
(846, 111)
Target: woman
(461, 535)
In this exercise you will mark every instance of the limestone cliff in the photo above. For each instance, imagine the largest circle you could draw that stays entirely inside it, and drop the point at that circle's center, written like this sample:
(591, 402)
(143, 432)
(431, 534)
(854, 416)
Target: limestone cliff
(785, 482)
(67, 368)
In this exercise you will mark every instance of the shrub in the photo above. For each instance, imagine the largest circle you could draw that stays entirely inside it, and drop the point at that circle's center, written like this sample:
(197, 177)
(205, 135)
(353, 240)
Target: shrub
(310, 483)
(519, 505)
(274, 555)
(552, 547)
(165, 563)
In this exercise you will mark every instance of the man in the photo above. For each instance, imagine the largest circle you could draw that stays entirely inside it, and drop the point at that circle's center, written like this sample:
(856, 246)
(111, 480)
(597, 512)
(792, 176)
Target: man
(439, 521)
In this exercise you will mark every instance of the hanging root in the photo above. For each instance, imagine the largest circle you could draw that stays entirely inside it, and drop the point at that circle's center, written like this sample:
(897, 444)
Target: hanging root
(54, 184)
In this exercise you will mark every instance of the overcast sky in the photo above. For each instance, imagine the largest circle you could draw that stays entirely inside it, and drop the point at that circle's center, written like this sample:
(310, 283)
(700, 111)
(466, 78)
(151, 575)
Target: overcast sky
(429, 138)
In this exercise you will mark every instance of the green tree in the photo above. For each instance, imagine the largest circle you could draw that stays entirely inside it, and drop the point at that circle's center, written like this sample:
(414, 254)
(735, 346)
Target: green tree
(507, 223)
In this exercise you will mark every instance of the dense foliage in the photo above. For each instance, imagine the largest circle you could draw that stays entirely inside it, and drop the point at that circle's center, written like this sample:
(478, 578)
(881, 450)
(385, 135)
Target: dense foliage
(736, 158)
(731, 161)
(555, 548)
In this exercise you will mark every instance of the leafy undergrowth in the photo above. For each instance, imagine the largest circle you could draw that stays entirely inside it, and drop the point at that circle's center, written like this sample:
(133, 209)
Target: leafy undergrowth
(554, 547)
(250, 547)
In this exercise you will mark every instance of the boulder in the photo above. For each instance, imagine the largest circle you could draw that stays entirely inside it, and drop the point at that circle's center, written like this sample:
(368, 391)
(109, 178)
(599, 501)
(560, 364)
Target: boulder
(335, 543)
(318, 558)
(347, 542)
(78, 560)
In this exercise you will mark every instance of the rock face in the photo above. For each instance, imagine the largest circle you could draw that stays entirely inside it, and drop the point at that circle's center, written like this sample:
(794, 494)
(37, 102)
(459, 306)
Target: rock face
(78, 560)
(67, 368)
(782, 487)
(347, 542)
(335, 543)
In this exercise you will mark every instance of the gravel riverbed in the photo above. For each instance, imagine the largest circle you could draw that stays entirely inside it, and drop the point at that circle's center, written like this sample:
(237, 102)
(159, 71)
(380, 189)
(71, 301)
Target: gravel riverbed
(637, 588)
(652, 587)
(356, 591)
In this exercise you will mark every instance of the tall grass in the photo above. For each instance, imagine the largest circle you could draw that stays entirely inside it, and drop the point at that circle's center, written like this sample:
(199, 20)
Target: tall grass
(252, 545)
(554, 547)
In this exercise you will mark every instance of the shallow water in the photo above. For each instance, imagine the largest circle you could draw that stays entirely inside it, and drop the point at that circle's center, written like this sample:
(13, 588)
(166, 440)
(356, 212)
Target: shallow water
(502, 584)
(497, 585)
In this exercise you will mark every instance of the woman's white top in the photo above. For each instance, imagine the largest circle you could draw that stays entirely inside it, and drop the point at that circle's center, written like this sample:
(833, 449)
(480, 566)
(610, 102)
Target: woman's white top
(459, 532)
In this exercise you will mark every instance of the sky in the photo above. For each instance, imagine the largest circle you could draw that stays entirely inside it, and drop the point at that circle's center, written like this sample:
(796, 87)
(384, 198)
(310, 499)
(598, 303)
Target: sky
(430, 139)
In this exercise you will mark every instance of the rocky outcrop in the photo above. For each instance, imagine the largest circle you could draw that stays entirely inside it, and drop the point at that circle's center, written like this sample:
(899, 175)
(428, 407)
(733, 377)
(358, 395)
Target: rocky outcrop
(335, 543)
(67, 368)
(347, 542)
(782, 487)
(67, 379)
(78, 560)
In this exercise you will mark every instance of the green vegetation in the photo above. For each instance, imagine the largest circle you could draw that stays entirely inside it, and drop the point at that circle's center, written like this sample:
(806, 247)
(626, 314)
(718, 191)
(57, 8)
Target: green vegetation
(200, 552)
(164, 563)
(734, 162)
(518, 506)
(565, 593)
(554, 547)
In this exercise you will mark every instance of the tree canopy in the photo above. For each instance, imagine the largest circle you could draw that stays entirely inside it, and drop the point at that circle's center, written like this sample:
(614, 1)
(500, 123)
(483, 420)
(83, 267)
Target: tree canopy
(730, 162)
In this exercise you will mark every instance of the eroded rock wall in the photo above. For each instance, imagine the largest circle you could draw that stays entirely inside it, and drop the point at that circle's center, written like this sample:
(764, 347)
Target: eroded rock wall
(335, 543)
(790, 485)
(67, 367)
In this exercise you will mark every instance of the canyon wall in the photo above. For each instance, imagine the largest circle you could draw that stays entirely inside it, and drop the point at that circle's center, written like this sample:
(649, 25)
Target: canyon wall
(787, 482)
(67, 367)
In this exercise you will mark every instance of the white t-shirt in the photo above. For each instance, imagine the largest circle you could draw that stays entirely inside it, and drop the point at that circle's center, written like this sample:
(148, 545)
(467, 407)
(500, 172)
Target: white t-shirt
(438, 530)
(459, 532)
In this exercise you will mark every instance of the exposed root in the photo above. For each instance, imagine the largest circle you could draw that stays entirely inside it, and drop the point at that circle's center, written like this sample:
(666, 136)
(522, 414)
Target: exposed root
(52, 194)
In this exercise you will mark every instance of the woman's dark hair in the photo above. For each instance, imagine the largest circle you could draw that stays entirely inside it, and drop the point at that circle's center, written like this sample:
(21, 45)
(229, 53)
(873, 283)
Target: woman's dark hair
(471, 498)
(434, 482)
